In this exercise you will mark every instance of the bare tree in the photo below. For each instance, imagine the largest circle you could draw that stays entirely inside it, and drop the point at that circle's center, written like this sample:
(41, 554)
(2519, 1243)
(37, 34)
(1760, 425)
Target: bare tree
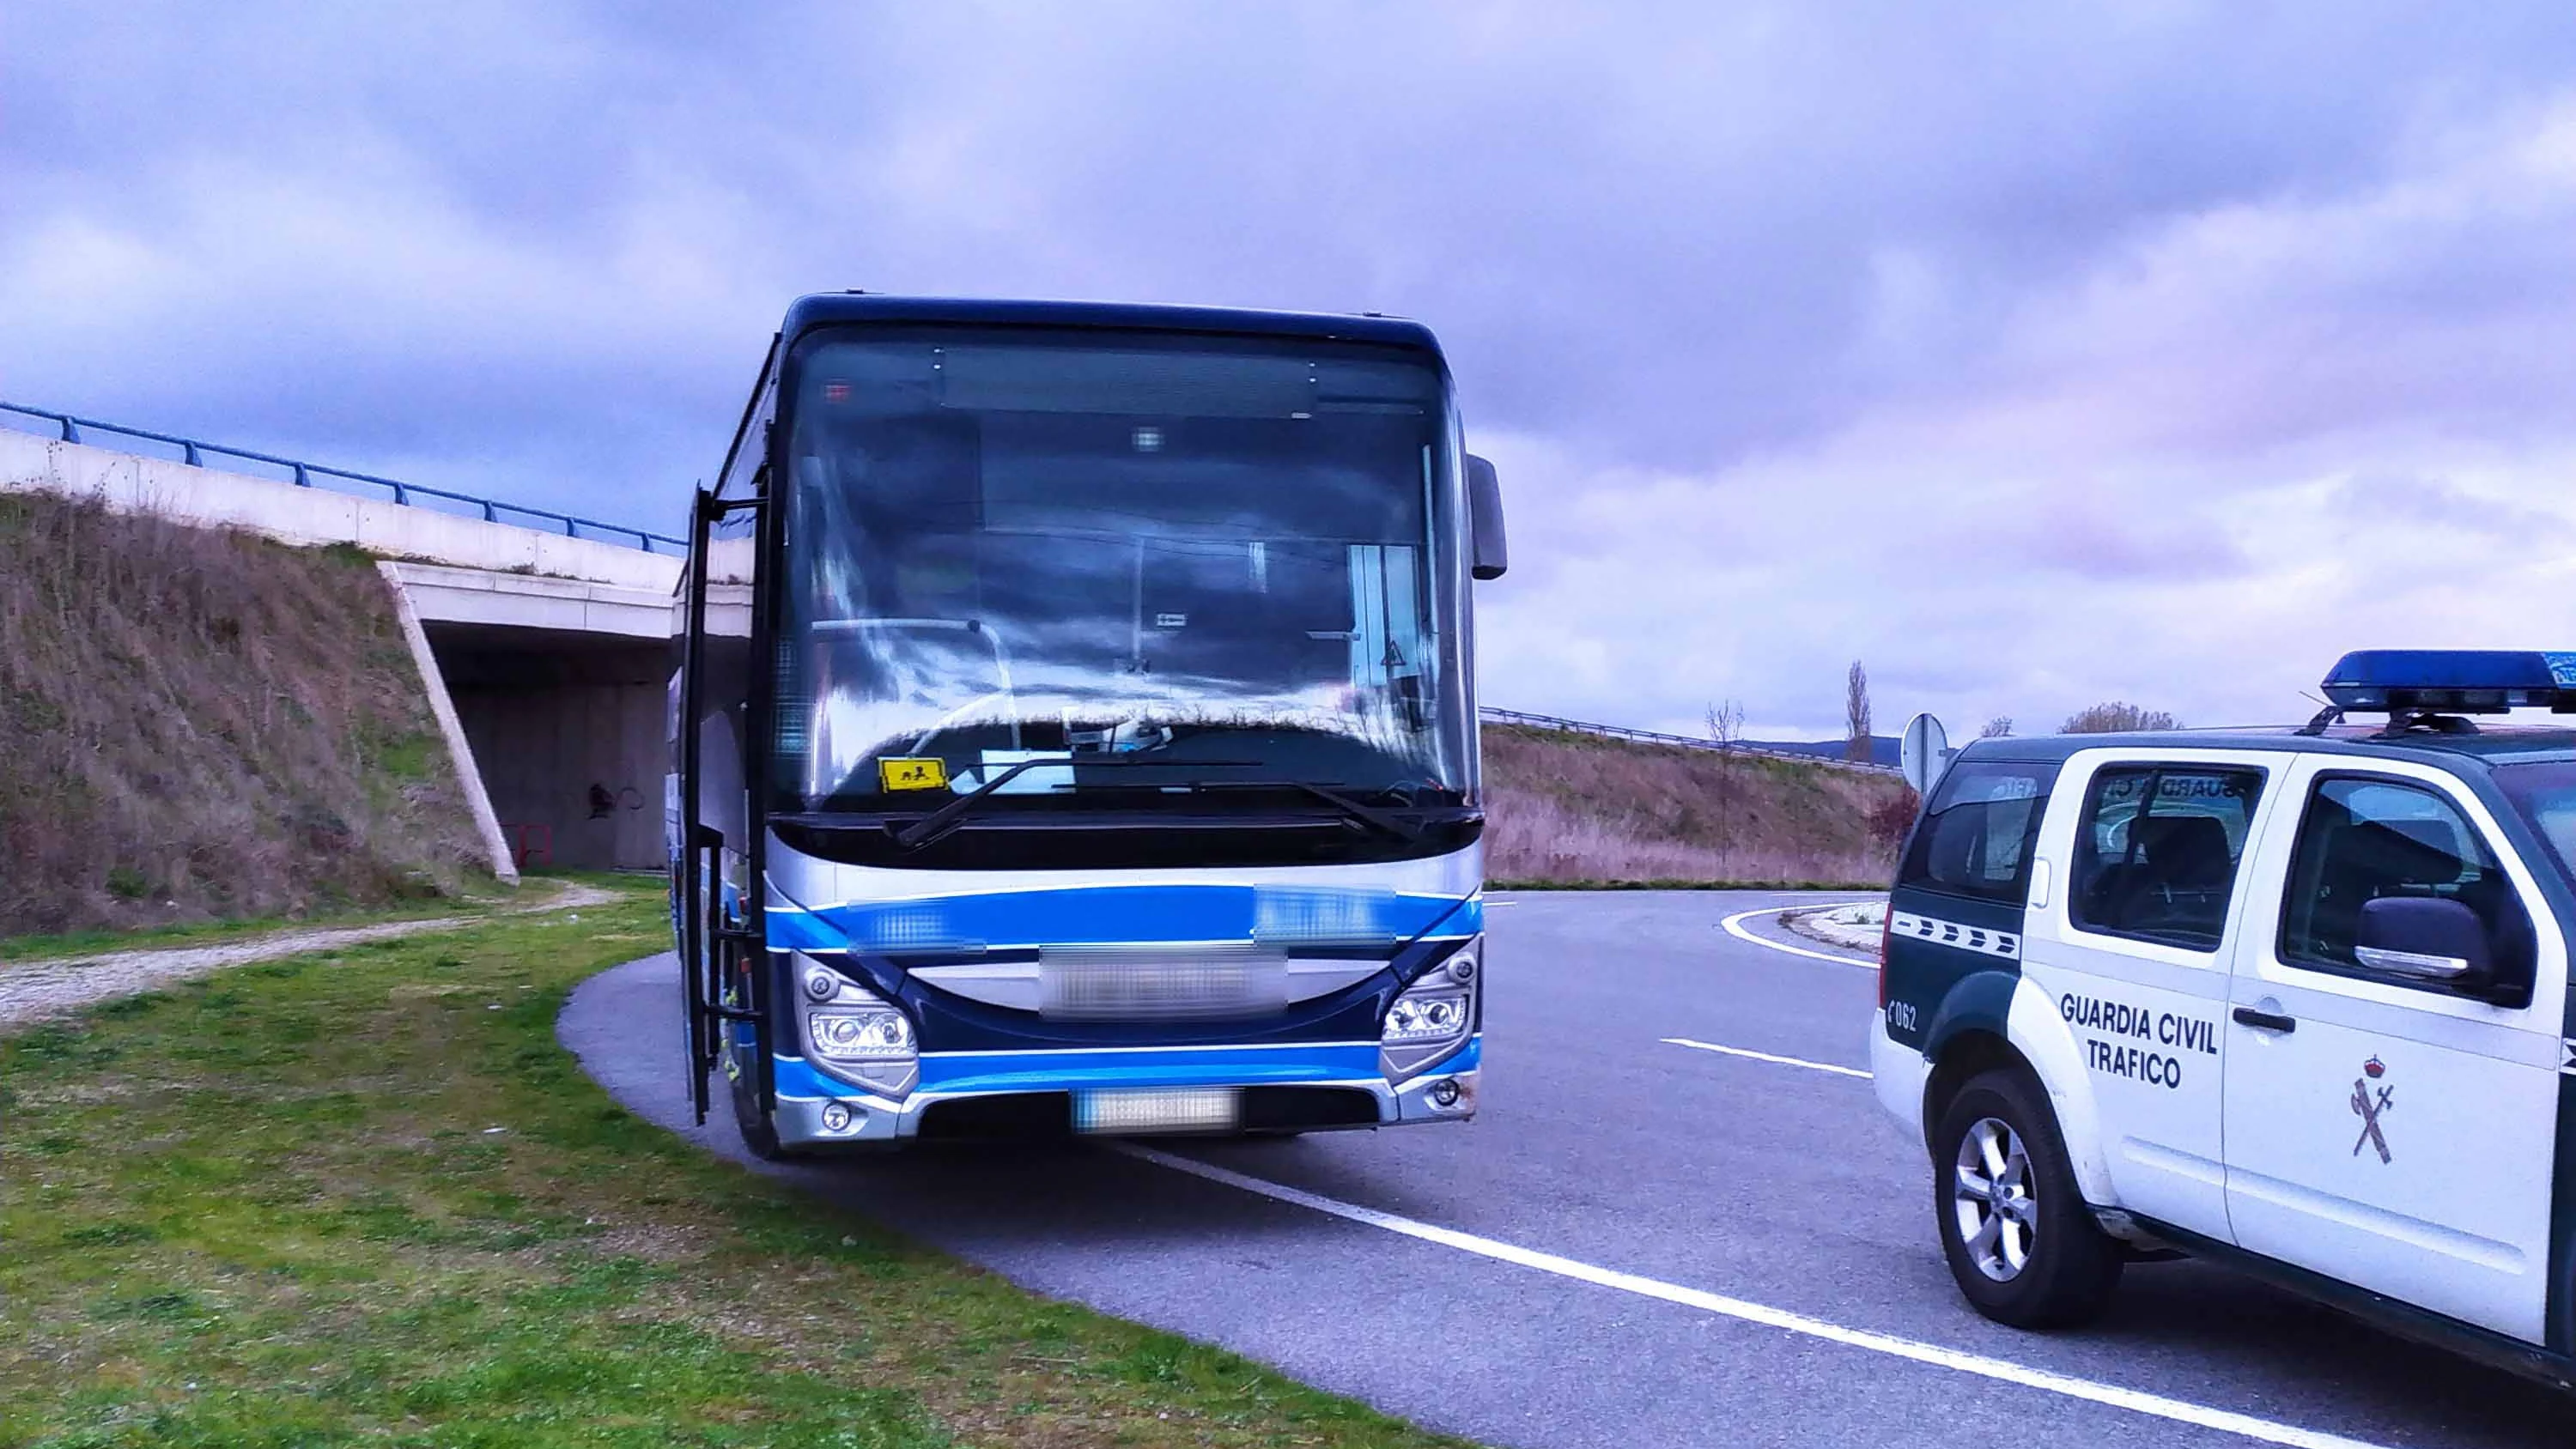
(1996, 728)
(1726, 723)
(1726, 727)
(2113, 717)
(1856, 731)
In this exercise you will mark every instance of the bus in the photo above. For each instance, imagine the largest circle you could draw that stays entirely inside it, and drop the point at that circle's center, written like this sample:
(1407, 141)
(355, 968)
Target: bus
(1074, 728)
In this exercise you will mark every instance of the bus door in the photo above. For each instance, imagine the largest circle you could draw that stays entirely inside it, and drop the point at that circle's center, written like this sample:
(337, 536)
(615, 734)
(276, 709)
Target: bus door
(716, 887)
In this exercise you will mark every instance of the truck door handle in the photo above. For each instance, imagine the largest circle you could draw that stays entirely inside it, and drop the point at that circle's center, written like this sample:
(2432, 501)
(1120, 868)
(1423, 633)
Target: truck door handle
(2267, 1020)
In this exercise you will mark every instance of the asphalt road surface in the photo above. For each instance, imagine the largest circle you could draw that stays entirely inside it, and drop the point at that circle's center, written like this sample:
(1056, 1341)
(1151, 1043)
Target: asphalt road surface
(1636, 1243)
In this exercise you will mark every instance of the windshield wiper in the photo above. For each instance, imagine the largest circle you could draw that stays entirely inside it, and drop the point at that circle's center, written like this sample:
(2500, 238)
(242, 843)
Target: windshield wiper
(948, 817)
(1395, 825)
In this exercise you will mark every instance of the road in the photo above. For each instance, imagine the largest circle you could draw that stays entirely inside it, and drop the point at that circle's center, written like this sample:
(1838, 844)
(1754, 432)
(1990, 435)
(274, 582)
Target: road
(1637, 1243)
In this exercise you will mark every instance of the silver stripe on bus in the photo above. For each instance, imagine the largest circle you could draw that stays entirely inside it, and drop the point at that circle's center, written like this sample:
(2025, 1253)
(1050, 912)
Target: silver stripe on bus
(2003, 944)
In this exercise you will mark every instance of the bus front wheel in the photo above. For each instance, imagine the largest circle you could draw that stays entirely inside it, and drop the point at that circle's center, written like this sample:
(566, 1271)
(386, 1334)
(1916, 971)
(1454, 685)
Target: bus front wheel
(759, 1133)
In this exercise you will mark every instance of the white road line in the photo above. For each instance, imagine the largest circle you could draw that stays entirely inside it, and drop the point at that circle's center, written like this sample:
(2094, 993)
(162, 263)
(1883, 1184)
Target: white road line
(2136, 1401)
(1748, 1053)
(1735, 927)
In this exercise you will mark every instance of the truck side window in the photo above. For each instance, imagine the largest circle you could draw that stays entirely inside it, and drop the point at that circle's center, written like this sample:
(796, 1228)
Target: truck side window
(1976, 837)
(2363, 839)
(2156, 852)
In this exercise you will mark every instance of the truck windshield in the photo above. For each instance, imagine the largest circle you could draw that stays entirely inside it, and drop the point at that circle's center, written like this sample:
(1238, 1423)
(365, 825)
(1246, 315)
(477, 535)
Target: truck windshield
(1013, 545)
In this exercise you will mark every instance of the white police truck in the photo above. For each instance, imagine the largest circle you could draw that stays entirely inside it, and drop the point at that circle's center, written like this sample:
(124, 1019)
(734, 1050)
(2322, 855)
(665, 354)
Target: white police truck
(2293, 1000)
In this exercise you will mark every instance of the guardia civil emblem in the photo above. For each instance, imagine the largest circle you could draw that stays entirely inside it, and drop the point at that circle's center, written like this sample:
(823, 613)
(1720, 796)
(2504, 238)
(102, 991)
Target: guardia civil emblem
(2371, 1101)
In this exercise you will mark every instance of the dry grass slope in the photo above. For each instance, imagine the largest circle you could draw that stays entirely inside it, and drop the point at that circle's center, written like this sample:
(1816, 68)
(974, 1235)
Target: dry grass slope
(1570, 808)
(198, 723)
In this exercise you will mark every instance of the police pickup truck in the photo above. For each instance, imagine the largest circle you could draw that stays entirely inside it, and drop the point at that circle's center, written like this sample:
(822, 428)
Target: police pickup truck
(2293, 1000)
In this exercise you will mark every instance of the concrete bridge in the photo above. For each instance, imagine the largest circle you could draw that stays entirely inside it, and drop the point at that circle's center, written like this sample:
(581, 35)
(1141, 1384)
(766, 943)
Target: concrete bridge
(546, 656)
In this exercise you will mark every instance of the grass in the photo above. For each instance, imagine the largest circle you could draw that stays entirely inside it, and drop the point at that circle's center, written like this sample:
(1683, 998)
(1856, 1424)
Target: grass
(365, 1197)
(202, 725)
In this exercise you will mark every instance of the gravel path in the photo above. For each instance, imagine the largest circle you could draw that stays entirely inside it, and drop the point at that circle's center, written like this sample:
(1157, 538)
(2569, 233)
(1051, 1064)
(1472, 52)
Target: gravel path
(56, 985)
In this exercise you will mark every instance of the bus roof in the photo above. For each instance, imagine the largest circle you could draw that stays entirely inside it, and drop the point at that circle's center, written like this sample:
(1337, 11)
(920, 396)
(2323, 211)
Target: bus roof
(826, 308)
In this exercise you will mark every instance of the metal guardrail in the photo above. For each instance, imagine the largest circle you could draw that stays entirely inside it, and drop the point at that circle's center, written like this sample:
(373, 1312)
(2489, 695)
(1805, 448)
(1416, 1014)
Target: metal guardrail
(193, 453)
(1688, 742)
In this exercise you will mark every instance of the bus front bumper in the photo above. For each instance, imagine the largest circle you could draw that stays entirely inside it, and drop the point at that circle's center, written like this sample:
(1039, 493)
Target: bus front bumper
(964, 1095)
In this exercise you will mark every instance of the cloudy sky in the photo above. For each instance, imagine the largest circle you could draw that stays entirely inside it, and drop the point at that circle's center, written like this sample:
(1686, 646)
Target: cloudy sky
(2035, 354)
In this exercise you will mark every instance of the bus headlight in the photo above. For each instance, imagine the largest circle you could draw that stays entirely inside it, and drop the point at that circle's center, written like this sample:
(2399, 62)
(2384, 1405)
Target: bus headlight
(1419, 1018)
(1432, 1017)
(881, 1034)
(855, 1034)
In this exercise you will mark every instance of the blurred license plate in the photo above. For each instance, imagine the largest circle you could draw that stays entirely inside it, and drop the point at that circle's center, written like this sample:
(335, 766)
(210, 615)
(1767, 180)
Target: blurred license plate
(1114, 1110)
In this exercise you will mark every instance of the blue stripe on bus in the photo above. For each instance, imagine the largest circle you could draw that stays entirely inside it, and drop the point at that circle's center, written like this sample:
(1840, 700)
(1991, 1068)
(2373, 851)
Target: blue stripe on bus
(1121, 914)
(1056, 1071)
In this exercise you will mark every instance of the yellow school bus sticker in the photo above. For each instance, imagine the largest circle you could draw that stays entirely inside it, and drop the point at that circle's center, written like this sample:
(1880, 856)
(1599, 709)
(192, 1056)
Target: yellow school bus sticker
(901, 773)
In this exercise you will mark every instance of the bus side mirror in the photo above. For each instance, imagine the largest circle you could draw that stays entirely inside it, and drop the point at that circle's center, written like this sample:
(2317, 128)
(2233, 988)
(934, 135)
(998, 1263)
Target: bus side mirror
(1485, 519)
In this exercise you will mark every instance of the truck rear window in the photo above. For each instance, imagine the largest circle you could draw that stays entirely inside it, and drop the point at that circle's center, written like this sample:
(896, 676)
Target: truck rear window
(1977, 836)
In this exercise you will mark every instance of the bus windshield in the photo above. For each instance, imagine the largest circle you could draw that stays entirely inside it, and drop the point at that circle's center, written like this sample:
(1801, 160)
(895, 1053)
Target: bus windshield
(1012, 547)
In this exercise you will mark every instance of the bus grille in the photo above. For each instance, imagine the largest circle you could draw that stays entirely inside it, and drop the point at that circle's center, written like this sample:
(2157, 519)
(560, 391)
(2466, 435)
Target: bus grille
(1133, 982)
(1144, 983)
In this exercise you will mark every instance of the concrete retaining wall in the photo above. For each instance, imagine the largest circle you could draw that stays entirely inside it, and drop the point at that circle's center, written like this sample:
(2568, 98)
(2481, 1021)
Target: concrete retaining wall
(460, 749)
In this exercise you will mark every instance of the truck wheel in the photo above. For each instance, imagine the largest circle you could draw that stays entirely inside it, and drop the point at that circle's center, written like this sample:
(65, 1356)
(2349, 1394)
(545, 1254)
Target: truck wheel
(2021, 1243)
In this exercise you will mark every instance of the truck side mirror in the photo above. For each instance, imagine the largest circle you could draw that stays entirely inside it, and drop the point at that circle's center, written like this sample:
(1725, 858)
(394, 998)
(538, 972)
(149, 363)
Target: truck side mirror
(1485, 519)
(2428, 939)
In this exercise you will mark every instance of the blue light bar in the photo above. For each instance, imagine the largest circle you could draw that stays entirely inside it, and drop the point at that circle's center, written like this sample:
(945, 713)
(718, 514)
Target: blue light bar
(2458, 681)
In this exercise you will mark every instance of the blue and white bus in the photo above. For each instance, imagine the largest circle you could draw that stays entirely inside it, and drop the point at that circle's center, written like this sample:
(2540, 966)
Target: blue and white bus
(1074, 728)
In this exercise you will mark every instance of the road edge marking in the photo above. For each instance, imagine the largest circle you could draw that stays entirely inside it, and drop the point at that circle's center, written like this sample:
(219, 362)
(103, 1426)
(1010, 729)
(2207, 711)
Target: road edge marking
(1751, 1055)
(2138, 1401)
(1734, 926)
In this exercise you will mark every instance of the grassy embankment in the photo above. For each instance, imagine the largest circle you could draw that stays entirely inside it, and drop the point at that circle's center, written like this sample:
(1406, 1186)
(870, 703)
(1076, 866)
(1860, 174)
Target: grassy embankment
(365, 1197)
(1572, 810)
(203, 725)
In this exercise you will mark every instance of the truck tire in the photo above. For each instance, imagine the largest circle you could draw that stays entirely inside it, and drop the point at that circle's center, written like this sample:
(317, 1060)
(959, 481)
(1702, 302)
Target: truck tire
(2020, 1241)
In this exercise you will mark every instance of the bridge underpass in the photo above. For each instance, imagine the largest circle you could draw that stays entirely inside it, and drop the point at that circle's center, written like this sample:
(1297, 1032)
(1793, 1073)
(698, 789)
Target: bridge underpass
(567, 736)
(560, 688)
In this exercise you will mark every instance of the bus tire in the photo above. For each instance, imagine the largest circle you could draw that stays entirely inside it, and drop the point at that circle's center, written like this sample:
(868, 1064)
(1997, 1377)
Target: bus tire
(2020, 1240)
(759, 1133)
